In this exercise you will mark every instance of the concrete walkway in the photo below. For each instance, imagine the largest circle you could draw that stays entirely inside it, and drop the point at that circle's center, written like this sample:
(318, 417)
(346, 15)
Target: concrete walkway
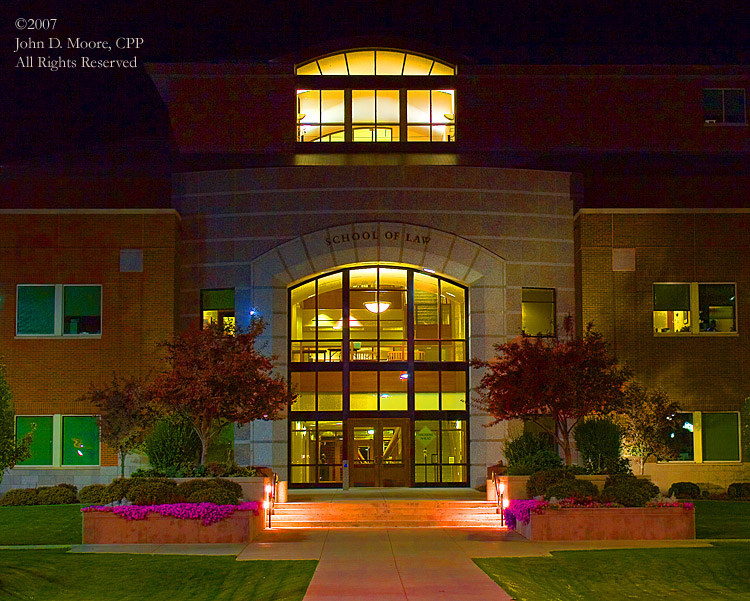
(384, 564)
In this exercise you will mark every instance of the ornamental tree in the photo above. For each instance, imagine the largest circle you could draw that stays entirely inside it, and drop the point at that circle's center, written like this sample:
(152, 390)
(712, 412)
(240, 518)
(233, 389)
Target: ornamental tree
(12, 451)
(566, 378)
(125, 414)
(647, 418)
(216, 377)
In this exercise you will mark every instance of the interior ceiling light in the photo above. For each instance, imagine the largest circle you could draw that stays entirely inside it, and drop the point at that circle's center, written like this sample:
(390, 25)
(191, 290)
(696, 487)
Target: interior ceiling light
(377, 307)
(353, 323)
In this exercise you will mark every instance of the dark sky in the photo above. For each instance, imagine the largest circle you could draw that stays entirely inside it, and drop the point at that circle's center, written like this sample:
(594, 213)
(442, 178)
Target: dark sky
(46, 111)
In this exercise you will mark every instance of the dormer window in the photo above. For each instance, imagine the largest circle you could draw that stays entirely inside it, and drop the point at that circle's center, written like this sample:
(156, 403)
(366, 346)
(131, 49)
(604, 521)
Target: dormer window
(399, 111)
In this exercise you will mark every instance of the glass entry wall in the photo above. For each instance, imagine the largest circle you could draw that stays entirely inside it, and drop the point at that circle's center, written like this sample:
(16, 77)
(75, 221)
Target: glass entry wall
(385, 344)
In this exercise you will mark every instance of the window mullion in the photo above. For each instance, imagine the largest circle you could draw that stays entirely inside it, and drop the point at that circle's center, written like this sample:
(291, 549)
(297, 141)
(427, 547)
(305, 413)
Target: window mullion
(697, 436)
(57, 440)
(694, 308)
(348, 133)
(58, 309)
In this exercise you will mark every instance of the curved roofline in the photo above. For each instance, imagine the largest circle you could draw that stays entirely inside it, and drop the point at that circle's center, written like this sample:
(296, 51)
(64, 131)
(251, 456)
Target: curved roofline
(328, 48)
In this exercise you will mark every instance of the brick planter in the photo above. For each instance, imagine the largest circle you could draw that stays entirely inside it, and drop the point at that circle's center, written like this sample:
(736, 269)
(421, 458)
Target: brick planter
(105, 528)
(610, 523)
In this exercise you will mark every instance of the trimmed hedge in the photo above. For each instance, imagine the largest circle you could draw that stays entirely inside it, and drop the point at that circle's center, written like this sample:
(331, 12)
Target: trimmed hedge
(739, 490)
(214, 490)
(684, 490)
(56, 495)
(573, 489)
(540, 482)
(20, 496)
(628, 490)
(152, 491)
(62, 494)
(93, 494)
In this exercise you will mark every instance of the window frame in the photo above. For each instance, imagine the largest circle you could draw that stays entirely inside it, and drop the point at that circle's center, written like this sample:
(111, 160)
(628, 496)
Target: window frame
(554, 311)
(695, 311)
(699, 433)
(724, 122)
(59, 314)
(57, 442)
(378, 85)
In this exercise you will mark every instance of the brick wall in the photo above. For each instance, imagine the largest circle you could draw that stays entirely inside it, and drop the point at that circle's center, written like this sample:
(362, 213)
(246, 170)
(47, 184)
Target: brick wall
(701, 372)
(48, 374)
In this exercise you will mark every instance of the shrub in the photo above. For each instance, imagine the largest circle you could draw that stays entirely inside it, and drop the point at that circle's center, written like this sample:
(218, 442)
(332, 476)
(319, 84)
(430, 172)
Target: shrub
(152, 491)
(56, 495)
(739, 490)
(540, 482)
(93, 494)
(573, 489)
(684, 490)
(116, 490)
(20, 496)
(544, 459)
(628, 490)
(216, 490)
(173, 443)
(71, 487)
(599, 442)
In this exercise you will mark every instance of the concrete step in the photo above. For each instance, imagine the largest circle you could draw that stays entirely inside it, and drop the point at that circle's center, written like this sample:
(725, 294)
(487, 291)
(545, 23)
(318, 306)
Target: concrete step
(387, 513)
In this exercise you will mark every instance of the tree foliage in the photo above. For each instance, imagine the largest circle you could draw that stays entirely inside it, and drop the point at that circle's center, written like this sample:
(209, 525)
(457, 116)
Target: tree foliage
(125, 414)
(566, 378)
(647, 418)
(12, 451)
(215, 378)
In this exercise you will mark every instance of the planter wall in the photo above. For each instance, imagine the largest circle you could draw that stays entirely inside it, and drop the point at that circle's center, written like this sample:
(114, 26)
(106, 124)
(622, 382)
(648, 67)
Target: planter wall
(609, 523)
(104, 528)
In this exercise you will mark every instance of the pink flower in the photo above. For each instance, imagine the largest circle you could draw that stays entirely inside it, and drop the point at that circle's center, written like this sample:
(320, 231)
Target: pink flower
(209, 513)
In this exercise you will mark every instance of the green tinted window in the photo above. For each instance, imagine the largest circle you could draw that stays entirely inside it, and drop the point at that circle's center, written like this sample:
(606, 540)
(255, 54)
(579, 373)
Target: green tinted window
(80, 440)
(82, 308)
(41, 442)
(721, 437)
(36, 310)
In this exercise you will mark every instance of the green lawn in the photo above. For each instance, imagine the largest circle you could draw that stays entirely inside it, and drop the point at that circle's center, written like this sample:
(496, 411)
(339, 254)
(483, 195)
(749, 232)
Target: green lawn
(719, 572)
(43, 575)
(722, 519)
(41, 525)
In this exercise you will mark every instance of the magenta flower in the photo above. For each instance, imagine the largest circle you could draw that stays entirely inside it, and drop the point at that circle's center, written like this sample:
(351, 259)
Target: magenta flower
(209, 513)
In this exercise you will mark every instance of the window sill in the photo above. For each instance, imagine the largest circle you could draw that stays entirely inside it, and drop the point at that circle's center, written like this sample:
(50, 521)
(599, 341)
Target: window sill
(57, 467)
(725, 124)
(696, 334)
(54, 337)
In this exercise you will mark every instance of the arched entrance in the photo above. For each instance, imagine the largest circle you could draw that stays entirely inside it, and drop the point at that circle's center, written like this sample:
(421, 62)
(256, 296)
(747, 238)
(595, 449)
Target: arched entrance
(392, 252)
(379, 358)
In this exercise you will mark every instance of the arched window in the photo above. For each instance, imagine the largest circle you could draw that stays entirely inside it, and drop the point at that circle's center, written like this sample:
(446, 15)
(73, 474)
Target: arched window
(379, 360)
(375, 61)
(412, 112)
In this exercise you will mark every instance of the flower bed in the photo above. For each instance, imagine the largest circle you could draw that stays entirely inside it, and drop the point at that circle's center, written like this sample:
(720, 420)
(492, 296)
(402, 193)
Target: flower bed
(171, 524)
(540, 520)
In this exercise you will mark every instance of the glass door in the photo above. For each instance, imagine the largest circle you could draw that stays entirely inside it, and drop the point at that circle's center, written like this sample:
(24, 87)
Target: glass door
(379, 451)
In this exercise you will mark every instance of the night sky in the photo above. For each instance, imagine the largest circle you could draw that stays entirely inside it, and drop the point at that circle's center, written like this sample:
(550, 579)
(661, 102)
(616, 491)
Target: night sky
(48, 112)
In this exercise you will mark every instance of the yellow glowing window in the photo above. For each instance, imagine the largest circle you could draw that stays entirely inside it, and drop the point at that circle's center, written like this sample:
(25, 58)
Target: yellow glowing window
(375, 62)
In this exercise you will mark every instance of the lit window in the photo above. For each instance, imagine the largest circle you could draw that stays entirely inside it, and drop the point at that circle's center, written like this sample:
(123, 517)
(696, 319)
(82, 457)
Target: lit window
(724, 106)
(676, 305)
(58, 310)
(375, 62)
(717, 432)
(60, 440)
(217, 307)
(538, 311)
(375, 115)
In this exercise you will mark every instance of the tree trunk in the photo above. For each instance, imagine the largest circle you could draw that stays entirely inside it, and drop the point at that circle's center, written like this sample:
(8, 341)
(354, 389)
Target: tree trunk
(123, 455)
(204, 449)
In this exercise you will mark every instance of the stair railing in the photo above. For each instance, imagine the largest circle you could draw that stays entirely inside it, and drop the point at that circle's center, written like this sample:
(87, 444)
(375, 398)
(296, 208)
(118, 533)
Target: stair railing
(499, 496)
(270, 496)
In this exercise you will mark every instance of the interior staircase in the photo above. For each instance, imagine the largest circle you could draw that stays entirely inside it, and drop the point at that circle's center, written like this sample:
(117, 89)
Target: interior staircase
(387, 514)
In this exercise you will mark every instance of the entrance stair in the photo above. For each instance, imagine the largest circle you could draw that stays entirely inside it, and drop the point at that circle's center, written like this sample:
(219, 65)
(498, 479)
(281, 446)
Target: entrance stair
(387, 513)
